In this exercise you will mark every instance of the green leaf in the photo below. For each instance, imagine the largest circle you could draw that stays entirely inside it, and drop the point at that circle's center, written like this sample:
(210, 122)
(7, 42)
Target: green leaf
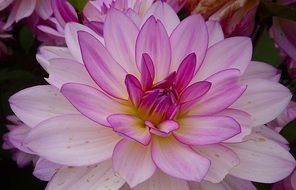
(265, 51)
(26, 38)
(275, 9)
(289, 132)
(78, 4)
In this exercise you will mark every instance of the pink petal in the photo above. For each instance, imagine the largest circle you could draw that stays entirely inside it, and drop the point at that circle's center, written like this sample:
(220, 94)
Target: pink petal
(154, 40)
(283, 32)
(39, 103)
(72, 140)
(244, 120)
(229, 183)
(44, 169)
(262, 71)
(178, 160)
(165, 14)
(62, 71)
(185, 72)
(163, 181)
(133, 162)
(91, 102)
(5, 3)
(64, 12)
(190, 36)
(71, 38)
(215, 32)
(270, 134)
(45, 53)
(237, 183)
(264, 100)
(99, 176)
(131, 127)
(163, 129)
(225, 90)
(105, 71)
(20, 10)
(17, 136)
(192, 93)
(120, 35)
(222, 160)
(231, 53)
(134, 89)
(25, 9)
(262, 160)
(147, 71)
(203, 130)
(43, 8)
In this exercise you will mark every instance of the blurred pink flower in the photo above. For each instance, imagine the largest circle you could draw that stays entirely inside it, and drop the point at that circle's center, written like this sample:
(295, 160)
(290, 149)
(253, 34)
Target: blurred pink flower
(157, 103)
(93, 16)
(283, 31)
(24, 8)
(236, 17)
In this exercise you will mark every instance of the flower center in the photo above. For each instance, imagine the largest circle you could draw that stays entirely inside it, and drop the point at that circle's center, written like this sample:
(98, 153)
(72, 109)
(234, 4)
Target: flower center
(157, 105)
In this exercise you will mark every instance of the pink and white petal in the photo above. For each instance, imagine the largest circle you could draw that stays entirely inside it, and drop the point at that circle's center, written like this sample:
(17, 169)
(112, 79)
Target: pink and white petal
(231, 182)
(62, 71)
(43, 8)
(99, 176)
(72, 140)
(133, 162)
(120, 38)
(187, 38)
(222, 160)
(45, 53)
(165, 14)
(131, 127)
(91, 102)
(262, 160)
(206, 185)
(45, 170)
(134, 89)
(154, 40)
(162, 181)
(134, 17)
(105, 71)
(262, 71)
(204, 130)
(244, 120)
(71, 38)
(264, 100)
(231, 53)
(178, 160)
(38, 103)
(224, 91)
(215, 32)
(271, 134)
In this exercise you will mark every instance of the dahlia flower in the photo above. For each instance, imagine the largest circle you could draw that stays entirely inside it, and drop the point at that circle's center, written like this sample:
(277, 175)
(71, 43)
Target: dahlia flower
(288, 183)
(236, 17)
(24, 8)
(154, 104)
